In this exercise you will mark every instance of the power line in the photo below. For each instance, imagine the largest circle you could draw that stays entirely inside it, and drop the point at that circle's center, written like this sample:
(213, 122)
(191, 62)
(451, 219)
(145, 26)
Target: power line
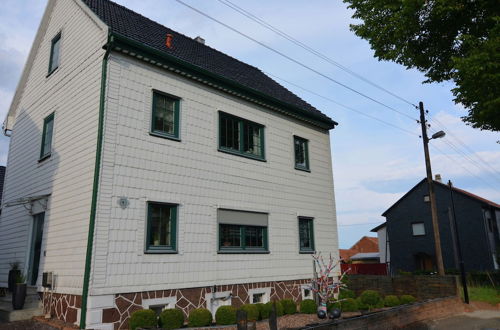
(344, 106)
(309, 49)
(293, 60)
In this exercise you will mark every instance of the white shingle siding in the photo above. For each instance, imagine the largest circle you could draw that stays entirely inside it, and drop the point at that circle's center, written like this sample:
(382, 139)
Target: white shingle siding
(201, 179)
(72, 92)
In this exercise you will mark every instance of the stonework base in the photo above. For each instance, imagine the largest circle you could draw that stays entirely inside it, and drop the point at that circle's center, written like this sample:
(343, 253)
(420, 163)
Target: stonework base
(64, 307)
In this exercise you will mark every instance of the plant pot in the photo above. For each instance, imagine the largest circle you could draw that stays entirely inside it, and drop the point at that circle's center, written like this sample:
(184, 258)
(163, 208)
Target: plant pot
(13, 274)
(19, 296)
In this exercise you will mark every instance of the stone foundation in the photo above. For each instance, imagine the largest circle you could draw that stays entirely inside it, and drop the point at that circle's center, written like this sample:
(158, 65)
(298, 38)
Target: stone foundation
(64, 307)
(120, 306)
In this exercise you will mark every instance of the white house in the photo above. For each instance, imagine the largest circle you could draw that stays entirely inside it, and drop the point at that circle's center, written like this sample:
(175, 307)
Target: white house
(383, 243)
(148, 170)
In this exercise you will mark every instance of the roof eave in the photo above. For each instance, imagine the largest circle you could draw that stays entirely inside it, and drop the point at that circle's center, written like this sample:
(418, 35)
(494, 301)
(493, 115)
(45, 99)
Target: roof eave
(151, 55)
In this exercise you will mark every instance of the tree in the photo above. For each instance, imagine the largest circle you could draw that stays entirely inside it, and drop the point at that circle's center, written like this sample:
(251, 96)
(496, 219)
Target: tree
(448, 40)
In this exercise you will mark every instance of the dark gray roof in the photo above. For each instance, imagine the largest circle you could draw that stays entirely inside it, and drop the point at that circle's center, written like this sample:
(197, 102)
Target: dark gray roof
(132, 25)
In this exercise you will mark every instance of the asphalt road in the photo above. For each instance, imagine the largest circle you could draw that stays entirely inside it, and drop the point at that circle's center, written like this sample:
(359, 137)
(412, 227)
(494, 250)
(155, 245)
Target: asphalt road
(478, 320)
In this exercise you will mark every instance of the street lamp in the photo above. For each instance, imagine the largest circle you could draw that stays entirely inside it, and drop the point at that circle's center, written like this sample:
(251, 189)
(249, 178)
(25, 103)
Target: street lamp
(432, 196)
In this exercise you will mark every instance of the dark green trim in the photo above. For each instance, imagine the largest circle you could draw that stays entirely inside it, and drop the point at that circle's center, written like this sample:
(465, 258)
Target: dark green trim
(97, 167)
(44, 154)
(177, 101)
(188, 70)
(306, 152)
(172, 248)
(243, 249)
(310, 225)
(54, 40)
(241, 138)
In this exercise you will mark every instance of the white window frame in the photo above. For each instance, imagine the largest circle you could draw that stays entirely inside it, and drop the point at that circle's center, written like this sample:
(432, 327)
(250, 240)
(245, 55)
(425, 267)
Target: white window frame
(265, 299)
(168, 302)
(303, 289)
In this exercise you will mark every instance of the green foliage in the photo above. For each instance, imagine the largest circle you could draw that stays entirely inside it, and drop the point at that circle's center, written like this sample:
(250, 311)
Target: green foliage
(264, 311)
(455, 41)
(402, 272)
(486, 294)
(361, 305)
(371, 298)
(171, 318)
(144, 318)
(346, 294)
(289, 306)
(20, 278)
(200, 317)
(225, 315)
(252, 311)
(14, 265)
(391, 301)
(308, 306)
(279, 307)
(348, 305)
(407, 299)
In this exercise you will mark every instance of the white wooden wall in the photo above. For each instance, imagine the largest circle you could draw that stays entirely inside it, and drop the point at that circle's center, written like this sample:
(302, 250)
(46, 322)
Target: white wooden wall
(72, 92)
(201, 179)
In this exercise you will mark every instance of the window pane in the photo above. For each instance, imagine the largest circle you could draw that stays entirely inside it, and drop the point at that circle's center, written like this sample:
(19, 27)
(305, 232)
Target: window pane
(254, 237)
(300, 153)
(160, 225)
(48, 128)
(305, 234)
(164, 114)
(54, 53)
(418, 229)
(251, 139)
(230, 236)
(229, 133)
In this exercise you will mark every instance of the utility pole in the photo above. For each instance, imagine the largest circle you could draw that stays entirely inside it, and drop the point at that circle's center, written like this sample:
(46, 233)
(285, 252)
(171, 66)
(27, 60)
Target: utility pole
(432, 196)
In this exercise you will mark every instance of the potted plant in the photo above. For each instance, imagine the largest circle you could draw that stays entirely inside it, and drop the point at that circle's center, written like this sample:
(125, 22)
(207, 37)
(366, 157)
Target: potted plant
(19, 293)
(14, 272)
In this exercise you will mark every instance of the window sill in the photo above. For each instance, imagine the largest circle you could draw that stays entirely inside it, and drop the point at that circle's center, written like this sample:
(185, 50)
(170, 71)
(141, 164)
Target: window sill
(236, 153)
(165, 136)
(51, 72)
(243, 252)
(307, 252)
(161, 251)
(302, 169)
(43, 158)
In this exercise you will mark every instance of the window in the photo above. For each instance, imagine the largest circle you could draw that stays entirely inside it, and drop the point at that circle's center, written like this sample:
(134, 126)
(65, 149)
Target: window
(301, 153)
(161, 228)
(54, 53)
(241, 231)
(306, 291)
(259, 295)
(241, 137)
(306, 235)
(418, 229)
(165, 115)
(426, 199)
(48, 128)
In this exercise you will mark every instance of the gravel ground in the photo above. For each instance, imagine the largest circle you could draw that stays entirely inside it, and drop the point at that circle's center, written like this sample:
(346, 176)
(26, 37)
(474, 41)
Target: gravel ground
(25, 325)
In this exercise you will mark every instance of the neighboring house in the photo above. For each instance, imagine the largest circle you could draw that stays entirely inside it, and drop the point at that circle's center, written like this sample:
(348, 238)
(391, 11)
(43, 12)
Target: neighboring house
(410, 233)
(364, 245)
(148, 170)
(383, 243)
(365, 258)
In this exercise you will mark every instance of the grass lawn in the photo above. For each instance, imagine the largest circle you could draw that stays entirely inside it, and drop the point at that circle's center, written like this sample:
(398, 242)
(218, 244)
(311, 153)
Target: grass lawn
(484, 293)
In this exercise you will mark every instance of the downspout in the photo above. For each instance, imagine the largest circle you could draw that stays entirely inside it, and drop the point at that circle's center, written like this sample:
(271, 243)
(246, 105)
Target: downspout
(97, 168)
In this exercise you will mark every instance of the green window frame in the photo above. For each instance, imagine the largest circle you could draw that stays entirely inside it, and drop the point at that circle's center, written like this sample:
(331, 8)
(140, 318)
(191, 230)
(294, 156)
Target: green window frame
(306, 235)
(55, 51)
(241, 137)
(165, 115)
(242, 239)
(301, 151)
(47, 137)
(161, 233)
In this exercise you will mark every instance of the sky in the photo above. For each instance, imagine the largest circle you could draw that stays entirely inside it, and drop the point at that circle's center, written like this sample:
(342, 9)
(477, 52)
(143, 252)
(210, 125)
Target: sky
(374, 164)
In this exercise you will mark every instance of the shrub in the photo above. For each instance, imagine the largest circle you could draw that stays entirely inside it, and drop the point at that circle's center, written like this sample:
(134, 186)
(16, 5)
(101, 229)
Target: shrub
(144, 318)
(172, 318)
(225, 315)
(361, 305)
(200, 317)
(346, 294)
(308, 306)
(348, 305)
(264, 311)
(252, 311)
(279, 307)
(407, 299)
(289, 306)
(391, 301)
(371, 298)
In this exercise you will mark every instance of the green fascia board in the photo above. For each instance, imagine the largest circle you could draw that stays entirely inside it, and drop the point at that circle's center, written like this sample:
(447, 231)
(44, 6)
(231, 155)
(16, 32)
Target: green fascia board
(154, 56)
